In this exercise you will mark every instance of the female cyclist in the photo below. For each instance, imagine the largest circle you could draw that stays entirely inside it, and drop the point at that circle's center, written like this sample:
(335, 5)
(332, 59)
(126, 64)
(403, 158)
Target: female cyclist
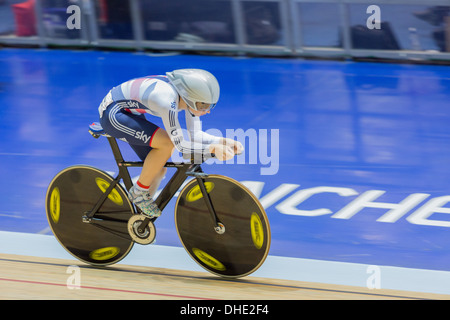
(122, 115)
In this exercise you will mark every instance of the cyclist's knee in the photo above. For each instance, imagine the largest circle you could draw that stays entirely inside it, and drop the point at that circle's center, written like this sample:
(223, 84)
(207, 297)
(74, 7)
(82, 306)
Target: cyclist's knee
(162, 140)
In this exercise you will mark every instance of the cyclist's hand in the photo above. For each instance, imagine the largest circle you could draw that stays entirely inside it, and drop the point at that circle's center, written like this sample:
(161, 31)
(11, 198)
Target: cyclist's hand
(236, 145)
(223, 152)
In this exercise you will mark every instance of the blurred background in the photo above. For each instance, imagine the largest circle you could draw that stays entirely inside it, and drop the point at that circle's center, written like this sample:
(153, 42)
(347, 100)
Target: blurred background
(359, 91)
(321, 28)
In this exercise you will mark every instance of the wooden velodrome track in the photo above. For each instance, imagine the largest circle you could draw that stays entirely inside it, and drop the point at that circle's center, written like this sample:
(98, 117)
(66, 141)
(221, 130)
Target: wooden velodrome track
(33, 278)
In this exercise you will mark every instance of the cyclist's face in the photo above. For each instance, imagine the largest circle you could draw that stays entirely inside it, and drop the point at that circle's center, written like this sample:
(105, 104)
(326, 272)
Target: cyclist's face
(206, 108)
(202, 106)
(198, 113)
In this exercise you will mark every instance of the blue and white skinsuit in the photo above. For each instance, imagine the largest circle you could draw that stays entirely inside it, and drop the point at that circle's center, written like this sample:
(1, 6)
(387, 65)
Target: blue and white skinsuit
(122, 115)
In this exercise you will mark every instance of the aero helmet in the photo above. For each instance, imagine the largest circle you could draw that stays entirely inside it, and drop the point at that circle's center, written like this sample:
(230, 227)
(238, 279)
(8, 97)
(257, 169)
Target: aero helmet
(198, 88)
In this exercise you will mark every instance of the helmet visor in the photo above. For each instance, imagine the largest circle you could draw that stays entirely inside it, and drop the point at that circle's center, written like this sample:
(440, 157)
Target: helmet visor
(202, 106)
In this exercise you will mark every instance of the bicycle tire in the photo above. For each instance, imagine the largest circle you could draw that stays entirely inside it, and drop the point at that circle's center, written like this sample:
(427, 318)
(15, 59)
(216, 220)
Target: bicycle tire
(75, 191)
(244, 245)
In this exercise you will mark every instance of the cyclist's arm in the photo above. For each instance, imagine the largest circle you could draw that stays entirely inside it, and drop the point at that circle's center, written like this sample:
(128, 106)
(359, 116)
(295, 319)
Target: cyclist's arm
(173, 128)
(196, 134)
(161, 101)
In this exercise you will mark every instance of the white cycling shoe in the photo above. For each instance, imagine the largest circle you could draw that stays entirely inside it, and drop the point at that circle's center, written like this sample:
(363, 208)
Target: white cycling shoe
(144, 201)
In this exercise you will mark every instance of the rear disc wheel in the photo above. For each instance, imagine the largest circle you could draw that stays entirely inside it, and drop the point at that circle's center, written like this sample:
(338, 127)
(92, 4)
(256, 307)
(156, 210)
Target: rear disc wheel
(101, 240)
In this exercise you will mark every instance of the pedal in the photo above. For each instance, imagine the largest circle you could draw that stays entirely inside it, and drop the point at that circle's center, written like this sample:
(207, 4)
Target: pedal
(145, 236)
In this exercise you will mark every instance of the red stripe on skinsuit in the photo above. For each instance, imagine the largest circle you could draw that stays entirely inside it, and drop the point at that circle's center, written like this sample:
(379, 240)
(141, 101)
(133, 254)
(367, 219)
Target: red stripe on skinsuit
(151, 139)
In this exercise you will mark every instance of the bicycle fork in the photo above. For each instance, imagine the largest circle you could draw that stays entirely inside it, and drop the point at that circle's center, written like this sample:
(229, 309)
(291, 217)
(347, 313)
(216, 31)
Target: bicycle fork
(218, 226)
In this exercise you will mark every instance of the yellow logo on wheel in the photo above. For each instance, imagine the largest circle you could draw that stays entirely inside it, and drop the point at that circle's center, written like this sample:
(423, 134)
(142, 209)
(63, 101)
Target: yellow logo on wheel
(55, 204)
(104, 253)
(257, 230)
(114, 196)
(209, 260)
(195, 193)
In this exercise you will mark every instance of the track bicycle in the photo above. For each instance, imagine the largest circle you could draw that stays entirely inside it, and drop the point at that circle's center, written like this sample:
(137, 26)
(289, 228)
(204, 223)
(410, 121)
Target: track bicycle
(219, 222)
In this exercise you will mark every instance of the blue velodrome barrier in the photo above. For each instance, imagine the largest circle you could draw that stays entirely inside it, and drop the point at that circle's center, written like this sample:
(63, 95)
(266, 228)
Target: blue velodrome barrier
(351, 160)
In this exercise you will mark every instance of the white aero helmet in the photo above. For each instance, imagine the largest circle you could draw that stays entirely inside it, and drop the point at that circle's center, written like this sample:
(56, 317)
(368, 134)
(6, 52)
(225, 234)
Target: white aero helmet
(198, 88)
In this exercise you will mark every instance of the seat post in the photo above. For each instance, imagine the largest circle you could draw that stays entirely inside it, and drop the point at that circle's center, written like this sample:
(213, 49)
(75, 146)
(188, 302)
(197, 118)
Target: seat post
(123, 171)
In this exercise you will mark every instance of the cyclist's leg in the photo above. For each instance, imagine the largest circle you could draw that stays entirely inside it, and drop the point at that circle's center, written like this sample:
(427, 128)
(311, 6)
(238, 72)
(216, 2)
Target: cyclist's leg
(144, 137)
(154, 149)
(153, 169)
(142, 152)
(152, 173)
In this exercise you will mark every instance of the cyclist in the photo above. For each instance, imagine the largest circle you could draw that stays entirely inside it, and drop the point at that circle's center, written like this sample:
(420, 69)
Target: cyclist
(122, 115)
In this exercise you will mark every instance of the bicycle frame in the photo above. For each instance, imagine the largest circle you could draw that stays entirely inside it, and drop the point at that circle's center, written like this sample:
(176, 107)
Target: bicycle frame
(183, 171)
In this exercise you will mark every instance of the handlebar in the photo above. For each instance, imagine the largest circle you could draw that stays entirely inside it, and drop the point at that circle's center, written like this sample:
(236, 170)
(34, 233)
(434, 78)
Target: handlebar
(198, 158)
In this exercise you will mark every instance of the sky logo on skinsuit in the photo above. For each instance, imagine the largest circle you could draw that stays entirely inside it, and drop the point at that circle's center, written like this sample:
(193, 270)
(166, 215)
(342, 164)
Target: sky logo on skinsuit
(142, 136)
